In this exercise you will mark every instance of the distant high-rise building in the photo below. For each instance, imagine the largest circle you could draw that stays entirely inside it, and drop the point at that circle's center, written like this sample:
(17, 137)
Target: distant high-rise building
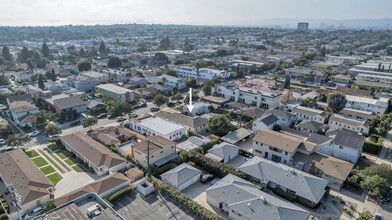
(303, 26)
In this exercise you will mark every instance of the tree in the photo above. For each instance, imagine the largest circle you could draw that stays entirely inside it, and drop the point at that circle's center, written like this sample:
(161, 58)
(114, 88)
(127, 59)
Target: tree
(114, 62)
(195, 97)
(336, 102)
(164, 44)
(2, 61)
(49, 206)
(84, 66)
(207, 87)
(45, 50)
(171, 73)
(18, 140)
(191, 83)
(25, 54)
(160, 100)
(161, 57)
(222, 53)
(82, 53)
(119, 108)
(89, 122)
(30, 64)
(42, 117)
(376, 185)
(41, 83)
(50, 74)
(93, 52)
(287, 82)
(366, 215)
(323, 52)
(51, 129)
(6, 53)
(309, 102)
(220, 125)
(102, 48)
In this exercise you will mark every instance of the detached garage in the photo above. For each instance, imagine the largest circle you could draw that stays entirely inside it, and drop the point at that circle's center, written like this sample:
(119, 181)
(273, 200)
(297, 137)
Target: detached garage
(182, 176)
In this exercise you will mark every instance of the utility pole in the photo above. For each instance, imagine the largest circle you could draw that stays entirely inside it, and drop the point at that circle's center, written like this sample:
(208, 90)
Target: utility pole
(17, 199)
(148, 156)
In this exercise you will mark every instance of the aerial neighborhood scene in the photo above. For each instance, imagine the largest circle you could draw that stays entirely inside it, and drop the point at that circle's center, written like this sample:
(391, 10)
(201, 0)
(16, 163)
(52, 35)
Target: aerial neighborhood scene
(179, 110)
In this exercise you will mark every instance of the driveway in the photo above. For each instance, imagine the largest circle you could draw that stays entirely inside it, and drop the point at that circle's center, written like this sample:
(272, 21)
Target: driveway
(72, 181)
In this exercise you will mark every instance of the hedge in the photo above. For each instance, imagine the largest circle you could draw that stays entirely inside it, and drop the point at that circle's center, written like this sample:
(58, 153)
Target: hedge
(372, 147)
(4, 216)
(119, 194)
(279, 192)
(4, 203)
(187, 202)
(164, 168)
(216, 168)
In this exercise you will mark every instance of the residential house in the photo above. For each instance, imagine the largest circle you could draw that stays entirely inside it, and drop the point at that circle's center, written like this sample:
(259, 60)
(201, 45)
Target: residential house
(112, 135)
(70, 107)
(97, 77)
(5, 128)
(356, 125)
(81, 83)
(306, 188)
(378, 106)
(103, 187)
(199, 108)
(115, 75)
(214, 101)
(242, 200)
(223, 152)
(279, 147)
(192, 143)
(259, 97)
(98, 157)
(358, 114)
(173, 82)
(157, 126)
(23, 113)
(305, 74)
(115, 93)
(159, 149)
(345, 145)
(33, 187)
(204, 73)
(332, 169)
(96, 107)
(134, 174)
(310, 127)
(181, 176)
(286, 119)
(309, 114)
(241, 134)
(343, 79)
(137, 81)
(265, 122)
(194, 124)
(145, 93)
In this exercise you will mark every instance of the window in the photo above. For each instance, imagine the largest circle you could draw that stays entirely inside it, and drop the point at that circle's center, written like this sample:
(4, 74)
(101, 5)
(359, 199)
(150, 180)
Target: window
(258, 151)
(340, 147)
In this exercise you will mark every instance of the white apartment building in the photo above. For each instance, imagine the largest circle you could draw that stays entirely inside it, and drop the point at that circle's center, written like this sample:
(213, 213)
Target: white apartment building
(374, 78)
(174, 82)
(204, 73)
(96, 76)
(250, 96)
(367, 104)
(356, 125)
(156, 126)
(309, 114)
(22, 112)
(356, 71)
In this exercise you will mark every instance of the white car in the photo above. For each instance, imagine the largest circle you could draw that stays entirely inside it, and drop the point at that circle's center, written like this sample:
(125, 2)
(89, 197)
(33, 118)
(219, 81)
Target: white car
(34, 133)
(2, 141)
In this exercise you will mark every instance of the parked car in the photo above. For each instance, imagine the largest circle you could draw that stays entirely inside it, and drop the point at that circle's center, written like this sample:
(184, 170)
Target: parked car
(34, 133)
(206, 178)
(133, 115)
(154, 109)
(102, 115)
(111, 117)
(34, 212)
(171, 104)
(51, 137)
(378, 216)
(2, 141)
(7, 149)
(76, 122)
(120, 119)
(385, 199)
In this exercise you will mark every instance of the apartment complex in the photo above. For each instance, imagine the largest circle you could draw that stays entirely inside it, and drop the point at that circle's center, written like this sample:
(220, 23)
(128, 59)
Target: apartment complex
(204, 73)
(116, 93)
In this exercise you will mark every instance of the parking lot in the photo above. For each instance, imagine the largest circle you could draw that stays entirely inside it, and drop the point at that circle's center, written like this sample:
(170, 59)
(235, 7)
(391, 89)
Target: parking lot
(135, 207)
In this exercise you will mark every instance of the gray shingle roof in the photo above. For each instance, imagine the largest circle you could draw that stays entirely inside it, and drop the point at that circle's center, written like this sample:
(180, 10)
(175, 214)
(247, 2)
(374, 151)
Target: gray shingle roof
(279, 113)
(318, 138)
(224, 149)
(181, 174)
(69, 102)
(269, 119)
(349, 139)
(305, 185)
(248, 200)
(237, 135)
(311, 125)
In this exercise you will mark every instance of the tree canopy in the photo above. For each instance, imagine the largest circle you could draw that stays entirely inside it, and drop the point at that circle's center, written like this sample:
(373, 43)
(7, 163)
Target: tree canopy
(6, 53)
(309, 102)
(89, 122)
(84, 66)
(160, 100)
(119, 108)
(220, 125)
(51, 128)
(18, 140)
(114, 62)
(45, 50)
(336, 102)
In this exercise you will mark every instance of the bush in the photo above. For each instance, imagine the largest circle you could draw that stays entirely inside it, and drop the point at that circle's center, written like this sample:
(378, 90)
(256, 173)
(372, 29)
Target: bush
(279, 192)
(1, 210)
(187, 202)
(373, 147)
(49, 206)
(119, 194)
(216, 168)
(164, 168)
(4, 216)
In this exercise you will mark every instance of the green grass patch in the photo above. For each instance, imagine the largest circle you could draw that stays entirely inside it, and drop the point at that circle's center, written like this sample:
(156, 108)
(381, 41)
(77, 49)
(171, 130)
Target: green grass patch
(62, 155)
(53, 147)
(69, 162)
(52, 161)
(48, 169)
(55, 178)
(39, 161)
(78, 169)
(32, 153)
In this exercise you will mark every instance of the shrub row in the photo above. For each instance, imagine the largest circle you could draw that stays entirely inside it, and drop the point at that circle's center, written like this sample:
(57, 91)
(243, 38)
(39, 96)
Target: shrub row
(373, 147)
(119, 194)
(216, 168)
(187, 202)
(4, 203)
(164, 168)
(279, 192)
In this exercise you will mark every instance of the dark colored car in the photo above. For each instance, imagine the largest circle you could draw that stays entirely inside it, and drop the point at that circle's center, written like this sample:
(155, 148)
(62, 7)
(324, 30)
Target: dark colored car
(171, 104)
(112, 116)
(385, 199)
(102, 115)
(205, 178)
(154, 109)
(76, 122)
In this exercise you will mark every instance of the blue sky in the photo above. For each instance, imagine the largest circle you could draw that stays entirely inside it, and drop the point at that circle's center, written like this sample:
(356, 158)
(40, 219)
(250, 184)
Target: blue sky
(203, 12)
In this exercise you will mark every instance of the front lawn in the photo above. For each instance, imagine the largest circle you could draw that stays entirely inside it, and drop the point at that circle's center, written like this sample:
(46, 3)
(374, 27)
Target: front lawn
(55, 178)
(78, 169)
(69, 162)
(48, 169)
(61, 155)
(53, 147)
(39, 161)
(32, 153)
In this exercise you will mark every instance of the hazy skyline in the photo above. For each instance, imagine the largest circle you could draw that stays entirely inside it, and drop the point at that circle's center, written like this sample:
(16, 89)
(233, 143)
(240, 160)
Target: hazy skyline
(199, 12)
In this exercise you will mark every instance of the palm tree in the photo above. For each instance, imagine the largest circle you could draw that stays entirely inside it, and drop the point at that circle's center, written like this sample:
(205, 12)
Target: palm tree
(2, 61)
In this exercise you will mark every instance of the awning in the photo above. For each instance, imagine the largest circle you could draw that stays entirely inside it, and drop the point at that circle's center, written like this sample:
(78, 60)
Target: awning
(166, 159)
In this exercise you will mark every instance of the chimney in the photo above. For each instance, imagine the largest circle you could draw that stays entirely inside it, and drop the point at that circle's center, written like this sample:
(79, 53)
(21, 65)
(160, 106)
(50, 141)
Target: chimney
(313, 168)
